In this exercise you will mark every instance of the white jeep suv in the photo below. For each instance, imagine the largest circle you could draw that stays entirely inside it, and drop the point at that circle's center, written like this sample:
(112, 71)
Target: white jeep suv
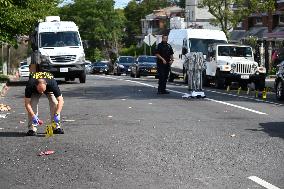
(227, 63)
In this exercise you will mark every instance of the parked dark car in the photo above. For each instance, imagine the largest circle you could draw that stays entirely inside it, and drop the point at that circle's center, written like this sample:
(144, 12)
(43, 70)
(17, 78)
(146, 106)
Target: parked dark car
(279, 82)
(100, 67)
(144, 66)
(122, 65)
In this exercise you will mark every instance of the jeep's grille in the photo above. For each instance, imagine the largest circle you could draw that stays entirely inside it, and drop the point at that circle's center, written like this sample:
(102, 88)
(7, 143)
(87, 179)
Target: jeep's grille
(244, 69)
(65, 58)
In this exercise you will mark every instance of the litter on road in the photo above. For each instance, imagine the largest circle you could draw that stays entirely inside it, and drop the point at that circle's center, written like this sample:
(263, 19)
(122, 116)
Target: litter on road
(48, 152)
(4, 108)
(3, 116)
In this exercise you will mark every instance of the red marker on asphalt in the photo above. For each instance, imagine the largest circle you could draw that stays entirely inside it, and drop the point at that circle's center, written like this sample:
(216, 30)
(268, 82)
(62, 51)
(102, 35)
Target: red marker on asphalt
(40, 122)
(48, 152)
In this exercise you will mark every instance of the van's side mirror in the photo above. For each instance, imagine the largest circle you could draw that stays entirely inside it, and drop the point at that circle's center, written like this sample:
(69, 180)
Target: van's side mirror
(85, 44)
(184, 51)
(34, 46)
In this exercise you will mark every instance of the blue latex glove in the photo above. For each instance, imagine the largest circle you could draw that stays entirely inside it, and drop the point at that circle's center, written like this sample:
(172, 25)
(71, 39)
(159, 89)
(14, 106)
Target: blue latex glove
(56, 118)
(35, 120)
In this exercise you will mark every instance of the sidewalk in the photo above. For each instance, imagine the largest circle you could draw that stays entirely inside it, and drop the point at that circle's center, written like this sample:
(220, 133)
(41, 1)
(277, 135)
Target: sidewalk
(4, 87)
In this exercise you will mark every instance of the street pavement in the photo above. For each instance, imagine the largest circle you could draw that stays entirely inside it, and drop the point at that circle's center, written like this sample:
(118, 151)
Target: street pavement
(120, 134)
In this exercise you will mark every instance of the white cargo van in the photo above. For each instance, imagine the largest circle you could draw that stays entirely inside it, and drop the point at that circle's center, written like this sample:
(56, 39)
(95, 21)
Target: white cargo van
(184, 41)
(57, 48)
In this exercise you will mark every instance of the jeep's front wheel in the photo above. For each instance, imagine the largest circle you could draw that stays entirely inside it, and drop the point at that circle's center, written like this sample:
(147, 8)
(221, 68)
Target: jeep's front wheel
(260, 84)
(219, 80)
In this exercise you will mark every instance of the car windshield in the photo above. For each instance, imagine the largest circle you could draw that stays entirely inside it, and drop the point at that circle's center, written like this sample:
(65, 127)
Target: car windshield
(100, 64)
(25, 67)
(128, 60)
(234, 51)
(59, 39)
(142, 59)
(201, 45)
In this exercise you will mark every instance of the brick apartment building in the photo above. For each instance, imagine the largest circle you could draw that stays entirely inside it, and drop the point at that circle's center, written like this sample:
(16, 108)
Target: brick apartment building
(264, 26)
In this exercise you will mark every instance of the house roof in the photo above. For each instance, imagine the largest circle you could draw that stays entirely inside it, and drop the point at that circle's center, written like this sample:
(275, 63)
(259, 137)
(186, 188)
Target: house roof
(164, 13)
(277, 33)
(258, 32)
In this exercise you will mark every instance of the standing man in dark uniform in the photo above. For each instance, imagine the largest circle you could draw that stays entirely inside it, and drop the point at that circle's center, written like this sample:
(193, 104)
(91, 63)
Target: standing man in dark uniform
(38, 84)
(164, 53)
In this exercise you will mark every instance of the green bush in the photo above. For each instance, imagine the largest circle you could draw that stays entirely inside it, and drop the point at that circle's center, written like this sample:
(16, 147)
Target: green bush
(3, 78)
(273, 71)
(136, 51)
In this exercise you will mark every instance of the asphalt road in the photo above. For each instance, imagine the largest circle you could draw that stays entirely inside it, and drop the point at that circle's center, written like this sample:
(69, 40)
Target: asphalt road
(120, 134)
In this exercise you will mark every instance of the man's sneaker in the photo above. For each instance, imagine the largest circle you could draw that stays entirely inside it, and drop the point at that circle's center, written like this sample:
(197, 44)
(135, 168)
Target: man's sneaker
(58, 131)
(31, 133)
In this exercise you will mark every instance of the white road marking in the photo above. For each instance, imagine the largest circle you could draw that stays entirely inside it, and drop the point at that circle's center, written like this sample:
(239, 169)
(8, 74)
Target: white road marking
(236, 106)
(246, 97)
(178, 92)
(68, 120)
(262, 182)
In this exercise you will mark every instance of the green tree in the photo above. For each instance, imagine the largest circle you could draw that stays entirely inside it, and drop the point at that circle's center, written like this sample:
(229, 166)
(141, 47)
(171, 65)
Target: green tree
(227, 18)
(136, 11)
(18, 17)
(99, 23)
(181, 3)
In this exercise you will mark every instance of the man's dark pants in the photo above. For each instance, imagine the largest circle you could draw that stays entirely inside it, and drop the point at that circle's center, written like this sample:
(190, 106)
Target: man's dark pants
(163, 72)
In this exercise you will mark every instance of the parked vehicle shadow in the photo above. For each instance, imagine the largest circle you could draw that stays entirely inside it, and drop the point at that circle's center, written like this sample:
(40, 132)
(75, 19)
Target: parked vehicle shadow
(274, 129)
(12, 134)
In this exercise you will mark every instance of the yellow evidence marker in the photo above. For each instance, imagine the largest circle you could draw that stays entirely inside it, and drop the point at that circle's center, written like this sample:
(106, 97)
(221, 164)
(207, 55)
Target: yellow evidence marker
(49, 129)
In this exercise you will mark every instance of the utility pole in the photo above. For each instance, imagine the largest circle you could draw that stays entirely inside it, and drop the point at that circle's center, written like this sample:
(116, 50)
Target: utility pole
(8, 59)
(2, 55)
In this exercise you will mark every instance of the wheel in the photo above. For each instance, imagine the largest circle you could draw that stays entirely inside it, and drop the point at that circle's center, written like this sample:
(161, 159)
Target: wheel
(260, 84)
(243, 85)
(67, 79)
(115, 71)
(171, 77)
(137, 75)
(219, 81)
(280, 90)
(72, 79)
(82, 77)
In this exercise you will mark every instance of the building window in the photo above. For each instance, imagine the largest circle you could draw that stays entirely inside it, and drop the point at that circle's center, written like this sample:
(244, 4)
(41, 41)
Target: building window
(258, 21)
(240, 25)
(281, 20)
